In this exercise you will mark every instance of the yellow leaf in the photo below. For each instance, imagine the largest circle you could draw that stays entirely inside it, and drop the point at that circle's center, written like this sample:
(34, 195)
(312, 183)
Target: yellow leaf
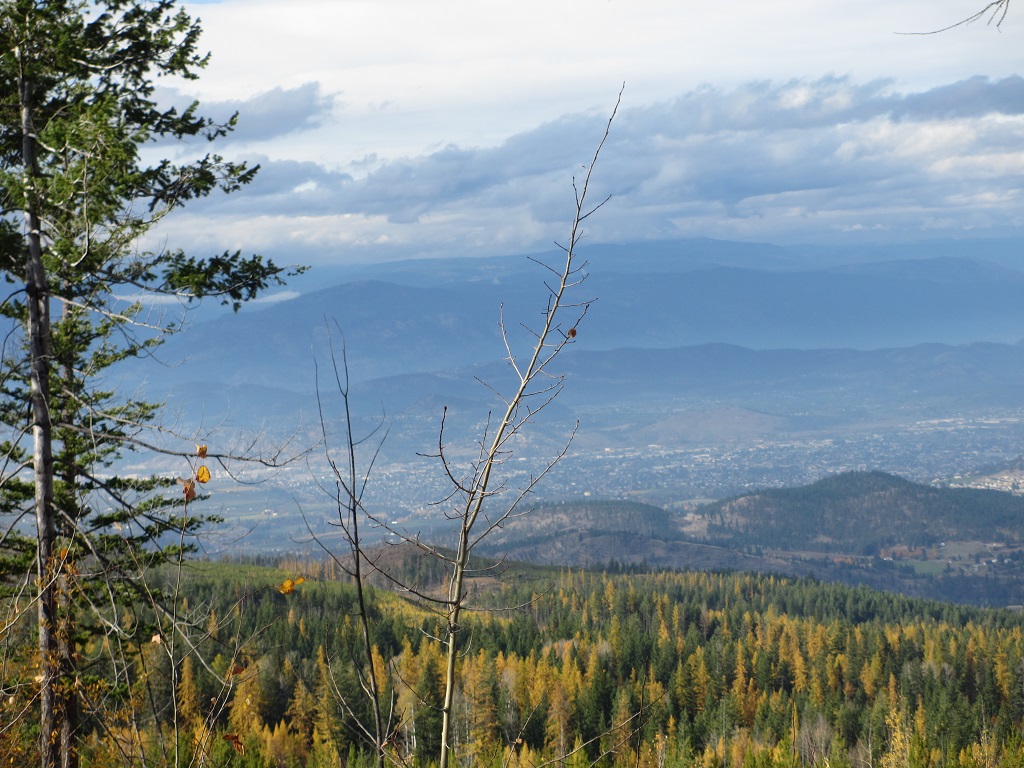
(201, 451)
(203, 474)
(289, 585)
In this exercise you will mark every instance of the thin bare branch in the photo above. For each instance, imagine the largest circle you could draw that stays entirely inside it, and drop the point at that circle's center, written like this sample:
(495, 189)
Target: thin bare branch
(995, 10)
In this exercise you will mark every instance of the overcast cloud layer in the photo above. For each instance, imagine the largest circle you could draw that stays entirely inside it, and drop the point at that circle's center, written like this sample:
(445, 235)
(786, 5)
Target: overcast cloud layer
(472, 149)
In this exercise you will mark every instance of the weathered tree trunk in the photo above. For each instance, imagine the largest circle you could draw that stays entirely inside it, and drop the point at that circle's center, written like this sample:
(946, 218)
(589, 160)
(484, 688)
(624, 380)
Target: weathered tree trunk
(451, 642)
(68, 707)
(38, 299)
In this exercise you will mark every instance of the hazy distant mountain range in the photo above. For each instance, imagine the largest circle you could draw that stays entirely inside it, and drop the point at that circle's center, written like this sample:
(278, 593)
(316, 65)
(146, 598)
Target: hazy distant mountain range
(749, 324)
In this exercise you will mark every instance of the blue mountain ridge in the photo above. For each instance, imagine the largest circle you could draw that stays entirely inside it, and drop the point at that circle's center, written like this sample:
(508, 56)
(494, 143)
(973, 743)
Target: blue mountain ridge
(668, 324)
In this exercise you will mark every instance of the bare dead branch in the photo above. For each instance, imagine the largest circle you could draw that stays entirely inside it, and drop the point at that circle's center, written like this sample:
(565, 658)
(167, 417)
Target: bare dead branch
(995, 10)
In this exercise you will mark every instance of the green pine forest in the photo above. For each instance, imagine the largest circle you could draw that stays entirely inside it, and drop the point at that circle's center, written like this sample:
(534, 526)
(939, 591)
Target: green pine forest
(578, 668)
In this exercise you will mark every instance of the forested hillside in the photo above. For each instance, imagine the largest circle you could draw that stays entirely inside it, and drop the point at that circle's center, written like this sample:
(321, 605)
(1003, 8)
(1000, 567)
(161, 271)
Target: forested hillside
(870, 528)
(863, 512)
(642, 669)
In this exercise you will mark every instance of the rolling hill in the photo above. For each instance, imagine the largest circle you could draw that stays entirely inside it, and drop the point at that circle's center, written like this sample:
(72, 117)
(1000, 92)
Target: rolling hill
(837, 529)
(862, 513)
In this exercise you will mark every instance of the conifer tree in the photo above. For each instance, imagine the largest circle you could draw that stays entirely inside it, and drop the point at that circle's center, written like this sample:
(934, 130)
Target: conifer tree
(428, 712)
(77, 199)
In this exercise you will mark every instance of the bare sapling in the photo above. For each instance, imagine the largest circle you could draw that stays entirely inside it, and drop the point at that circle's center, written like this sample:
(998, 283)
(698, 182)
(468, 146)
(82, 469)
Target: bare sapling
(346, 485)
(482, 498)
(537, 387)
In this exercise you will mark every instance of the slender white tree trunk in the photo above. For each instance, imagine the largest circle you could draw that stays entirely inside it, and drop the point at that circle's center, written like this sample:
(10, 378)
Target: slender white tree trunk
(42, 440)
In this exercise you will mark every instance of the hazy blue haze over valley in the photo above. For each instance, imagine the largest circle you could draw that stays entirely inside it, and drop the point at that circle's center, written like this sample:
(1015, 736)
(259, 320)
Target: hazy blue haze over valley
(812, 258)
(702, 369)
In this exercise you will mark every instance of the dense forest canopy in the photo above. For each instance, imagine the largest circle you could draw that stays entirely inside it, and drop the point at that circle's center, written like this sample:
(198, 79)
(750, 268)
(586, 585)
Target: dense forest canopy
(651, 669)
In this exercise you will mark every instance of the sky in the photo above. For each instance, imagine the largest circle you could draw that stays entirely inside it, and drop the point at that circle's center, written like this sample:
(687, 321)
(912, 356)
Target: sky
(409, 128)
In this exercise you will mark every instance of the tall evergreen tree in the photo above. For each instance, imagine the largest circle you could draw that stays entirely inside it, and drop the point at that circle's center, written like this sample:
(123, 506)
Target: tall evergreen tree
(428, 712)
(77, 197)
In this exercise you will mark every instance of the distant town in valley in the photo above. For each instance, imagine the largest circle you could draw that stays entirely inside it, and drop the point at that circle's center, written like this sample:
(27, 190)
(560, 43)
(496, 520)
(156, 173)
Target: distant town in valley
(979, 451)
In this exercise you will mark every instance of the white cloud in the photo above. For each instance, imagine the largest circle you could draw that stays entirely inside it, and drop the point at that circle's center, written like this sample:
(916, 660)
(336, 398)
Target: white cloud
(744, 163)
(410, 76)
(398, 127)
